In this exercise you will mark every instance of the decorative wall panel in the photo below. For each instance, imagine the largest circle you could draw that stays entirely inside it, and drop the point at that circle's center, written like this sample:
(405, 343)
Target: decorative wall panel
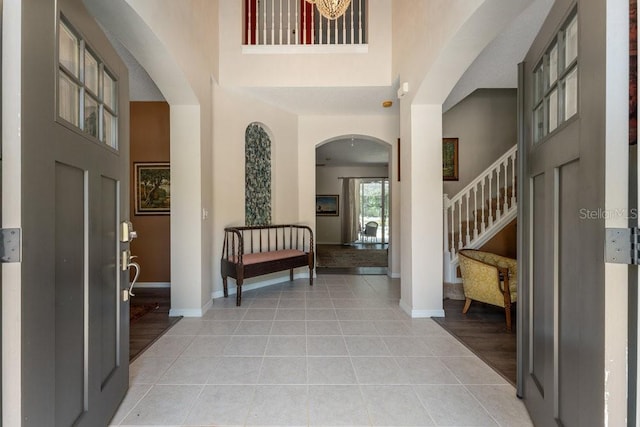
(257, 176)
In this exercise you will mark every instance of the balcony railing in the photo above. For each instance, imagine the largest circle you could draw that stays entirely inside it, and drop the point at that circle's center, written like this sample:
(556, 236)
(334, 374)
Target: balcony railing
(298, 22)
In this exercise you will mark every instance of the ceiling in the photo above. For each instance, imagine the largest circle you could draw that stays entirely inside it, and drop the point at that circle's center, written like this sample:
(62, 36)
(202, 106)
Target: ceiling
(353, 151)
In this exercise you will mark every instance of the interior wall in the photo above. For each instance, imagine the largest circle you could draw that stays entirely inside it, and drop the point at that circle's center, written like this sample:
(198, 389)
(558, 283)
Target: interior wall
(485, 125)
(233, 112)
(150, 142)
(329, 228)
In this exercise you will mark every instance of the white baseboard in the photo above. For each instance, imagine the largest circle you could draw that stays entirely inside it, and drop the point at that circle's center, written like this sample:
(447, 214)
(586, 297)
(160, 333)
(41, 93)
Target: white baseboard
(416, 314)
(393, 275)
(152, 285)
(247, 287)
(190, 312)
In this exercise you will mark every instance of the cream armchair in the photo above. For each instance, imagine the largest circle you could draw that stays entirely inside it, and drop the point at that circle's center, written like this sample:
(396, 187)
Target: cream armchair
(489, 278)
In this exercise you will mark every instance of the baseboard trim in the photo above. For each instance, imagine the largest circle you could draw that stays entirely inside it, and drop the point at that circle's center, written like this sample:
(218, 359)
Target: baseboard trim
(152, 285)
(418, 314)
(393, 275)
(190, 312)
(233, 289)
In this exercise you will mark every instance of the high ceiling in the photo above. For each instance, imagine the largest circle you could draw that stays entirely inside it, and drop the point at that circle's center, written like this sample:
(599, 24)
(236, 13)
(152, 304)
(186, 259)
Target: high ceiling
(495, 67)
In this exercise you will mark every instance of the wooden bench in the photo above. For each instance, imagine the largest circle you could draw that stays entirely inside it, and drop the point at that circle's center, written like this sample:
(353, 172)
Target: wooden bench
(253, 251)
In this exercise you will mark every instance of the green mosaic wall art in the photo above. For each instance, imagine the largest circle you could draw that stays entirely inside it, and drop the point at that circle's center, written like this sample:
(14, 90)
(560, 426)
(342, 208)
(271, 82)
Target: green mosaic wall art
(257, 191)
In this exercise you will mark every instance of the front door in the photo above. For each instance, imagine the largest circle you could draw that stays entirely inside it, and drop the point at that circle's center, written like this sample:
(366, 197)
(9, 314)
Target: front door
(573, 326)
(71, 142)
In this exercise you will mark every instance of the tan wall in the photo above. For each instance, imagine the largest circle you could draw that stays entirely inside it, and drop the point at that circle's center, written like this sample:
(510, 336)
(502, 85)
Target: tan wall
(150, 143)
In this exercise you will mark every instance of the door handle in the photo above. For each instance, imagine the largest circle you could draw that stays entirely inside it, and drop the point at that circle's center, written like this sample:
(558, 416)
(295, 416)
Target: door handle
(135, 276)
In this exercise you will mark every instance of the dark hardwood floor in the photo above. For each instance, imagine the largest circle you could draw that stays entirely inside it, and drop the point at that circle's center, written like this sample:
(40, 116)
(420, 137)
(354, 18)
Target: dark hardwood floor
(150, 326)
(483, 331)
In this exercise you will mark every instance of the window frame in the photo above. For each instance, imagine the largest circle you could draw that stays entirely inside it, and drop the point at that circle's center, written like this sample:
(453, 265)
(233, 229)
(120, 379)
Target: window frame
(84, 90)
(544, 90)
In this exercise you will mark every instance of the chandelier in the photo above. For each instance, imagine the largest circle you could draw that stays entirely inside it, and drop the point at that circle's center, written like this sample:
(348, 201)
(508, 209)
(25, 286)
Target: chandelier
(331, 9)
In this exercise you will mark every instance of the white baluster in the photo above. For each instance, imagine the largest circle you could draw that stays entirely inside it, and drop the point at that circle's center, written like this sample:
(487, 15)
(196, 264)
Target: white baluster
(468, 235)
(506, 185)
(289, 22)
(297, 38)
(360, 21)
(313, 26)
(280, 29)
(344, 28)
(453, 234)
(490, 213)
(273, 22)
(352, 29)
(475, 212)
(483, 203)
(498, 207)
(460, 243)
(445, 204)
(335, 32)
(264, 21)
(513, 180)
(320, 19)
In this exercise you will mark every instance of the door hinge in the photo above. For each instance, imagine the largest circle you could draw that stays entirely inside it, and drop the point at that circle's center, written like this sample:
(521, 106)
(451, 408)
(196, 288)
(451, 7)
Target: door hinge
(622, 245)
(10, 245)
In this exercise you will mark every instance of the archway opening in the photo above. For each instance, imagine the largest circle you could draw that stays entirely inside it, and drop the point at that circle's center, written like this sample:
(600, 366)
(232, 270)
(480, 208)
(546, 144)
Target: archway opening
(353, 205)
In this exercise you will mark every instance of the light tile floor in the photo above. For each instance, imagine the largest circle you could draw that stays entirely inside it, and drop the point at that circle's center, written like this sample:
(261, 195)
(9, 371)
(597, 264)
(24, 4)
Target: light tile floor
(340, 353)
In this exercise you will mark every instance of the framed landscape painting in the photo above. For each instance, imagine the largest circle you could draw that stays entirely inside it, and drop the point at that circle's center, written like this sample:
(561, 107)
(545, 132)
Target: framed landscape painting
(327, 205)
(152, 188)
(450, 159)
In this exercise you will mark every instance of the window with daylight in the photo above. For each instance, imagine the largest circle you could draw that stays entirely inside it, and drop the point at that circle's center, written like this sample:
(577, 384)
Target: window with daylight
(87, 91)
(555, 81)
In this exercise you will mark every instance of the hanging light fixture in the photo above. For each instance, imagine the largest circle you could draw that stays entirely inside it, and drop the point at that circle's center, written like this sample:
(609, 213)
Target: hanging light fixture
(331, 9)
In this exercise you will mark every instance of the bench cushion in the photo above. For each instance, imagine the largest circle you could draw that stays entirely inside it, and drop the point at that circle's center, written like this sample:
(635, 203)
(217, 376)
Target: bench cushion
(259, 257)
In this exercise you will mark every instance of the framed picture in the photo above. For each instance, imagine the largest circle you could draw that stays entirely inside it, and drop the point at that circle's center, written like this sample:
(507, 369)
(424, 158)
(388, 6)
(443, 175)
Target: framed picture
(327, 205)
(152, 188)
(450, 159)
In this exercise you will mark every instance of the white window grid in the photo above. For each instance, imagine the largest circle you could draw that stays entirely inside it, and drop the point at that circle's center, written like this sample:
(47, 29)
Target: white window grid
(90, 91)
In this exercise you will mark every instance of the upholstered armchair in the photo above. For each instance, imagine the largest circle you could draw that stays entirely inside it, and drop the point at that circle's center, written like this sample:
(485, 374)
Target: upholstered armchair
(489, 278)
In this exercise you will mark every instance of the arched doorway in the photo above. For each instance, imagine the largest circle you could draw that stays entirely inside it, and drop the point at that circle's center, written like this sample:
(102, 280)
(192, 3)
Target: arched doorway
(353, 205)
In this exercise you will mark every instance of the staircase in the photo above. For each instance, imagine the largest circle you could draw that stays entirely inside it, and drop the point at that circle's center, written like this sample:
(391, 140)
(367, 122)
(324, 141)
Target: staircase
(474, 215)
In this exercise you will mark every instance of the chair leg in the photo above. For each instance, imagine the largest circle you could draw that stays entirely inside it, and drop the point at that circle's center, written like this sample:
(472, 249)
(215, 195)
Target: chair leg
(238, 292)
(467, 304)
(291, 274)
(224, 286)
(507, 313)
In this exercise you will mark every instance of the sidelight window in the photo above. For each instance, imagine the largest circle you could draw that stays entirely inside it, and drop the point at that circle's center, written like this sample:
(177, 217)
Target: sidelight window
(87, 90)
(555, 82)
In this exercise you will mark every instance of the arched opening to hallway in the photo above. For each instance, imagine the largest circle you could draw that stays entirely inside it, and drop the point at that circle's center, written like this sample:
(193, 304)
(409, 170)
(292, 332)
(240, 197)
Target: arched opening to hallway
(353, 208)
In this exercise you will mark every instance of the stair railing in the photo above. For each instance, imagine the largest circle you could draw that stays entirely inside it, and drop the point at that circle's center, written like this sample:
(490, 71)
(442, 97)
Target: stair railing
(480, 209)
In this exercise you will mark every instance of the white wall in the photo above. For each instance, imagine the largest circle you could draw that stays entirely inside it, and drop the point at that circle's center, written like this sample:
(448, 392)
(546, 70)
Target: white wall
(329, 228)
(233, 112)
(308, 69)
(180, 28)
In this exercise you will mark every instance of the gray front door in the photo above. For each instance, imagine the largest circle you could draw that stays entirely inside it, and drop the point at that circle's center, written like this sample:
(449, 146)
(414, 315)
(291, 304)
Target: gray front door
(74, 194)
(567, 312)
